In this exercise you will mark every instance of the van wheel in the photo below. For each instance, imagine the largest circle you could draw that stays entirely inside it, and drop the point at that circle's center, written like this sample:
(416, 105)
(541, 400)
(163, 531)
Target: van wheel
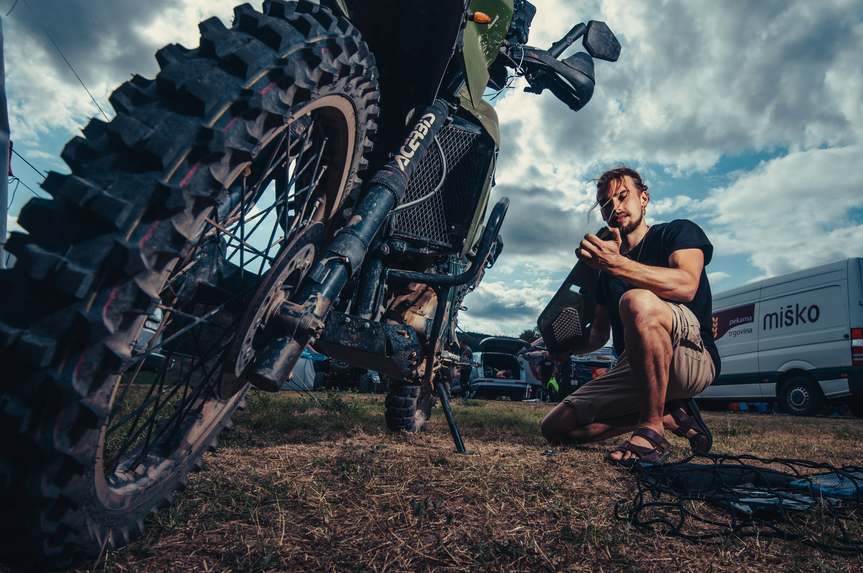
(801, 397)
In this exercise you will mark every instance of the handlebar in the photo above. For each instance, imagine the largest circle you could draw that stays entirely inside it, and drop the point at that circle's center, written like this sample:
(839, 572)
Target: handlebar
(571, 80)
(561, 45)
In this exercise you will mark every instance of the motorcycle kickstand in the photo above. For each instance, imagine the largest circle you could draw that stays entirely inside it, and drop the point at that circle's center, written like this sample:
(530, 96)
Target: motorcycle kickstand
(453, 428)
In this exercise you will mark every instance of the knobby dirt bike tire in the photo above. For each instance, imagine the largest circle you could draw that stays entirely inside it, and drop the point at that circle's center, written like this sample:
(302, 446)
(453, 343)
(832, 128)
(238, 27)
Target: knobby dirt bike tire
(401, 407)
(408, 407)
(98, 254)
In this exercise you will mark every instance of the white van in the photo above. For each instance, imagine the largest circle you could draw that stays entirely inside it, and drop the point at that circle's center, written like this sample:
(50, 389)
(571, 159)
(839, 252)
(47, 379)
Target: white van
(796, 339)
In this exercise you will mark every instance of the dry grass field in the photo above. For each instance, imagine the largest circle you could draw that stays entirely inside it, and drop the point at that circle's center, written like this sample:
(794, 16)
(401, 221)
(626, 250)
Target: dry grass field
(305, 486)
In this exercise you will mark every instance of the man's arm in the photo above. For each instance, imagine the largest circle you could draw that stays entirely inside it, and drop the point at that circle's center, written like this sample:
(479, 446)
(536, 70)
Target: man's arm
(678, 283)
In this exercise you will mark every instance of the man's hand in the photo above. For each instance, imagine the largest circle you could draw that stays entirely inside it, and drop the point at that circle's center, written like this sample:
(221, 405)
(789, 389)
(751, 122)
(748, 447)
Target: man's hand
(599, 254)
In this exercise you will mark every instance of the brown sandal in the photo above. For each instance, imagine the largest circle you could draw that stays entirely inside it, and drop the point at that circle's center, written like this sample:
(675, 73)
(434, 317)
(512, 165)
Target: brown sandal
(656, 455)
(702, 441)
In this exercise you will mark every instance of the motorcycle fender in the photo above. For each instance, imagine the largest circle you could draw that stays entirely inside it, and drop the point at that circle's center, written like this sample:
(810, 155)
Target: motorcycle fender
(487, 117)
(413, 41)
(482, 44)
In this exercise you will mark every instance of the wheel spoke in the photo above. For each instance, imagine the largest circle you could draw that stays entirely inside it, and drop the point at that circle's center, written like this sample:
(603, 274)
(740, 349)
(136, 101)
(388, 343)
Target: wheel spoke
(248, 198)
(161, 399)
(230, 234)
(198, 320)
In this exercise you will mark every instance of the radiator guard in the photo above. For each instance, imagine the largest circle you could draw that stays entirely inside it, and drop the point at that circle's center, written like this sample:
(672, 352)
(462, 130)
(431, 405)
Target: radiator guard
(443, 222)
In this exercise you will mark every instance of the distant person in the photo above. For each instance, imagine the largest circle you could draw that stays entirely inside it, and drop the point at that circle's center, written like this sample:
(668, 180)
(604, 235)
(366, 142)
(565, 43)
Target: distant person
(548, 369)
(552, 389)
(465, 369)
(654, 297)
(564, 378)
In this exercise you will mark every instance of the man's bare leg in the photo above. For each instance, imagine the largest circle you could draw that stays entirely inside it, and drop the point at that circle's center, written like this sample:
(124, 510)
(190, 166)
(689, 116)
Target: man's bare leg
(647, 323)
(561, 425)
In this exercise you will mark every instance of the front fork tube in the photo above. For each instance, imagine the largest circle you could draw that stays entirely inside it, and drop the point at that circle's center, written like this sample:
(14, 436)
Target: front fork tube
(302, 322)
(296, 323)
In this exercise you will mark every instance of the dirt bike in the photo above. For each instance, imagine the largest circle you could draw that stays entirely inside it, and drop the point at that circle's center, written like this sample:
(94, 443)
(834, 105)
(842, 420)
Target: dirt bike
(288, 182)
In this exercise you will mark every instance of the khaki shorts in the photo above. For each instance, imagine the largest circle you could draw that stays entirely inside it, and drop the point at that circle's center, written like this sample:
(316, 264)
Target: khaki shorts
(616, 393)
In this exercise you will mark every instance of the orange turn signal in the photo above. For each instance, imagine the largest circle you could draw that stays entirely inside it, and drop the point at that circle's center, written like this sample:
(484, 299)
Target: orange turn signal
(479, 18)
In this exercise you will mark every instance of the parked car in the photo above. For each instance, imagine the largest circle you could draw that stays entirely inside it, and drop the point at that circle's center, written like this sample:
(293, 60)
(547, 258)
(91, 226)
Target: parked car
(497, 371)
(575, 372)
(316, 371)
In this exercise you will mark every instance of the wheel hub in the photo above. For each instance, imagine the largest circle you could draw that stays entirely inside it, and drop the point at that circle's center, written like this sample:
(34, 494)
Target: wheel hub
(798, 397)
(281, 282)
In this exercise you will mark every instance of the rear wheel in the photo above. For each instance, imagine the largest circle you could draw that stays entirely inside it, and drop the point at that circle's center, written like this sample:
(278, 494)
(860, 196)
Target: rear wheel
(209, 177)
(401, 405)
(801, 397)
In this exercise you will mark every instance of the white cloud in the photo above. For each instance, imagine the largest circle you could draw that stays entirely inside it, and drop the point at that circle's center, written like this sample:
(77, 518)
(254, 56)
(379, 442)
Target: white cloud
(45, 97)
(792, 212)
(670, 205)
(717, 277)
(699, 80)
(504, 308)
(12, 224)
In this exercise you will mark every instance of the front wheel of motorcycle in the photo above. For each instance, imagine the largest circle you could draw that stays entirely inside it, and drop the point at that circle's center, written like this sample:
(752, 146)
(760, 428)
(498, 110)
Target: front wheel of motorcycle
(240, 157)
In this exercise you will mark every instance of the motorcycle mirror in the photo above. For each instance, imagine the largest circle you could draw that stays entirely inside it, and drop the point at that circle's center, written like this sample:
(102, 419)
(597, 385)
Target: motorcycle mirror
(599, 41)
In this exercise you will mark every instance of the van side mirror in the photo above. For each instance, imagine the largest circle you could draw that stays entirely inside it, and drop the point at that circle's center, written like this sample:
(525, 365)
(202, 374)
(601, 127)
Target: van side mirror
(600, 42)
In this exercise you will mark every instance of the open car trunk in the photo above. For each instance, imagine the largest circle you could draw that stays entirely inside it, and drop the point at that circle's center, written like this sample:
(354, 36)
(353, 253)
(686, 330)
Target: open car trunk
(503, 366)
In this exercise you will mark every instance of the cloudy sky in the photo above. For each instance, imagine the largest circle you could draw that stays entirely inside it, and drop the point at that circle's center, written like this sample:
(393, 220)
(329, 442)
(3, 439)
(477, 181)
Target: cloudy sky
(742, 116)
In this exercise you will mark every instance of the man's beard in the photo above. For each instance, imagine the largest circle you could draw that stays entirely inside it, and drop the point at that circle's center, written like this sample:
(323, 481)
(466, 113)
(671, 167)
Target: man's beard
(633, 224)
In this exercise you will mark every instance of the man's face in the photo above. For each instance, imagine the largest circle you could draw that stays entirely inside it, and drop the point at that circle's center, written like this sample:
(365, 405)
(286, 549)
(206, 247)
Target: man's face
(622, 205)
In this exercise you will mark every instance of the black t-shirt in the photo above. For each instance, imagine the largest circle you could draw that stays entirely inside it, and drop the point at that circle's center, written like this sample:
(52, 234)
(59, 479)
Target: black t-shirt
(546, 369)
(654, 250)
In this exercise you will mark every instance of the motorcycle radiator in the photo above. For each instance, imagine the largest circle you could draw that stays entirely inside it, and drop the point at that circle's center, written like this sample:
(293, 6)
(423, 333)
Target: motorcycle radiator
(443, 222)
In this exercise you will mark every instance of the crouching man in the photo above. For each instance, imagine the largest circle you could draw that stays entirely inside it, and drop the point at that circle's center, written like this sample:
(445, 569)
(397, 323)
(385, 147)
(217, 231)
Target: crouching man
(654, 298)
